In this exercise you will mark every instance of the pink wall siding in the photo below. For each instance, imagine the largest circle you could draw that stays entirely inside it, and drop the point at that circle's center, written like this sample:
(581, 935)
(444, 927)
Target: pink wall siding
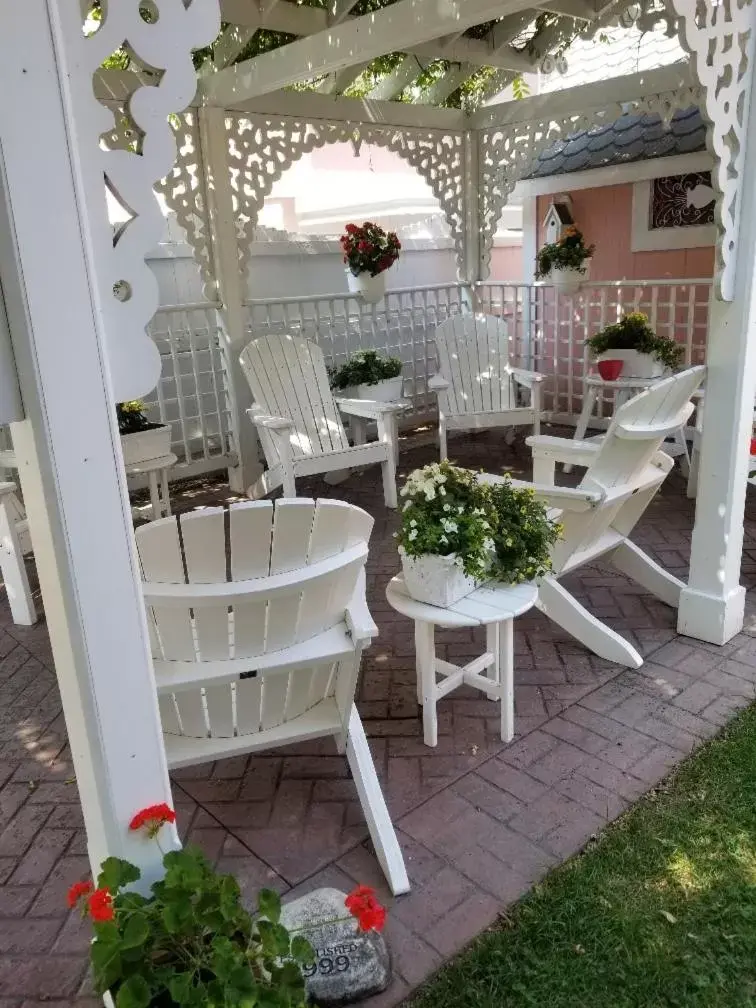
(507, 264)
(604, 215)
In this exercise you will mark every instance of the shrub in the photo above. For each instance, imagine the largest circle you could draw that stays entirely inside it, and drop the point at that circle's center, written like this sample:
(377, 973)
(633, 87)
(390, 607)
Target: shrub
(131, 418)
(633, 332)
(369, 249)
(569, 252)
(365, 368)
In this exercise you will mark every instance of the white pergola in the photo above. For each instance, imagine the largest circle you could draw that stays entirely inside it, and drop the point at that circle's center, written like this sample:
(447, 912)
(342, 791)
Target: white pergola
(78, 298)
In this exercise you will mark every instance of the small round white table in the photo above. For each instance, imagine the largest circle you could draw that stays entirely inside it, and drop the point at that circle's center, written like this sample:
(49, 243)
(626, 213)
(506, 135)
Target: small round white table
(493, 606)
(155, 469)
(623, 388)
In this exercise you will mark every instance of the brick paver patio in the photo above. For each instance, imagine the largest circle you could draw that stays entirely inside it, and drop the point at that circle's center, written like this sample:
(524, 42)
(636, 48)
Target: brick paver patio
(479, 821)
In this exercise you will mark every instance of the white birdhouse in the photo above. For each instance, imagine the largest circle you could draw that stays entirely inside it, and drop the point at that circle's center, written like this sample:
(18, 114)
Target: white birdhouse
(558, 217)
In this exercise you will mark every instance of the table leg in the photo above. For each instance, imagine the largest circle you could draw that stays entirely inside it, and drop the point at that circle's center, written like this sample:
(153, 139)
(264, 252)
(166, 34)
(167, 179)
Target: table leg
(154, 494)
(492, 645)
(425, 655)
(589, 401)
(166, 506)
(505, 663)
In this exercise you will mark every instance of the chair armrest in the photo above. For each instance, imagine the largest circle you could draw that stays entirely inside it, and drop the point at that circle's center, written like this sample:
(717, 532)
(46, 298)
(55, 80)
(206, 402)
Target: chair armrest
(7, 488)
(358, 619)
(368, 408)
(526, 378)
(273, 423)
(566, 498)
(561, 449)
(437, 383)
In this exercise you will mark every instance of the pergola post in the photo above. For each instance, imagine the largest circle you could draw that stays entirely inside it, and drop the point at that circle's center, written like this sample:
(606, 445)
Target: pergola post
(472, 273)
(51, 226)
(231, 290)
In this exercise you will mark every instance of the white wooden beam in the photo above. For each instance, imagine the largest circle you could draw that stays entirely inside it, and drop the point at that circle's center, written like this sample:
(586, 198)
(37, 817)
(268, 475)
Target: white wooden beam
(339, 82)
(338, 10)
(444, 86)
(295, 19)
(395, 82)
(232, 41)
(407, 23)
(476, 52)
(586, 96)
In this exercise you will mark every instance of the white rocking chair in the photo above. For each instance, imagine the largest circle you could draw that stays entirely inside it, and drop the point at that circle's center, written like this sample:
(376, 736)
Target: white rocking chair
(624, 472)
(299, 420)
(15, 544)
(257, 622)
(477, 386)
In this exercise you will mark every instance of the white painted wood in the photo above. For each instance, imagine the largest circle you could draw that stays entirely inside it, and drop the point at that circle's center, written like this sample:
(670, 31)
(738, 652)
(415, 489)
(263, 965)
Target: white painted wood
(14, 543)
(476, 385)
(263, 648)
(299, 420)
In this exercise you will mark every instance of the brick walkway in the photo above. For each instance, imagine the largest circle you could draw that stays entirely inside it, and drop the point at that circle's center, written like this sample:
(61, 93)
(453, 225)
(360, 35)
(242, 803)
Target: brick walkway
(479, 822)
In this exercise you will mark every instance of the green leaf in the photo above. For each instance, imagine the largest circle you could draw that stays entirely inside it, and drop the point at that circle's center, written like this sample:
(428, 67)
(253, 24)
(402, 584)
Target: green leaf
(302, 951)
(180, 988)
(269, 905)
(176, 916)
(136, 931)
(115, 873)
(134, 993)
(106, 962)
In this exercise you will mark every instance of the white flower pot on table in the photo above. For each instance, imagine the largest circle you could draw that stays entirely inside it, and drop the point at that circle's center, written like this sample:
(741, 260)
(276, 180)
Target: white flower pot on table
(437, 580)
(142, 446)
(370, 288)
(636, 365)
(386, 390)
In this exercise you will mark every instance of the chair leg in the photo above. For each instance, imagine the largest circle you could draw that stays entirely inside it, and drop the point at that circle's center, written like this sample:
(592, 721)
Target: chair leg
(387, 435)
(14, 573)
(442, 444)
(589, 401)
(639, 567)
(373, 803)
(288, 482)
(566, 611)
(266, 483)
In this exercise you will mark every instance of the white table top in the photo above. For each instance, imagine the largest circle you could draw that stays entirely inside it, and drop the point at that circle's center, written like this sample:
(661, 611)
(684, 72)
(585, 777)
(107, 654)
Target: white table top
(150, 465)
(620, 383)
(491, 603)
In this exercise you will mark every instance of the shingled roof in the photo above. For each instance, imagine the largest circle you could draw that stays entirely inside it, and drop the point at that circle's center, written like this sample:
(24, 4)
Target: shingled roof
(629, 138)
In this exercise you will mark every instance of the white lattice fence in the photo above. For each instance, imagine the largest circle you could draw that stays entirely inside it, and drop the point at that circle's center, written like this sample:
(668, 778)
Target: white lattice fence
(191, 395)
(401, 325)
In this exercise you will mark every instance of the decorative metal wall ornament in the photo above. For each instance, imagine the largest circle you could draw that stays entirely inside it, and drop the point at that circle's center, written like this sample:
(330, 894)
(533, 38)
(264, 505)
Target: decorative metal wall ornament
(681, 201)
(720, 39)
(131, 147)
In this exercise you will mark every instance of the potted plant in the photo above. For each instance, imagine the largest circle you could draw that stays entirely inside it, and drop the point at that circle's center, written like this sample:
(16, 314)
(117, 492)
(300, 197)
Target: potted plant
(632, 340)
(368, 252)
(457, 532)
(141, 440)
(564, 263)
(367, 375)
(190, 942)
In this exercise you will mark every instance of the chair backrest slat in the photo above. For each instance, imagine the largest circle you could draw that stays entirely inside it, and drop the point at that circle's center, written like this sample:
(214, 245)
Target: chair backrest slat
(248, 705)
(473, 356)
(288, 378)
(251, 530)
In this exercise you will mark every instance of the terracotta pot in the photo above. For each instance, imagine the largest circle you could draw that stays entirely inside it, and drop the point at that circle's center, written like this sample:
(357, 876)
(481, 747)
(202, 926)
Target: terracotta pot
(610, 370)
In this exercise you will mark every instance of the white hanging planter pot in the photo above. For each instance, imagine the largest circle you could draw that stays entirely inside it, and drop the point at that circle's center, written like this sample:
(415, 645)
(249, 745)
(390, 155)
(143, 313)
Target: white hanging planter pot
(145, 445)
(636, 365)
(568, 280)
(370, 288)
(437, 580)
(386, 390)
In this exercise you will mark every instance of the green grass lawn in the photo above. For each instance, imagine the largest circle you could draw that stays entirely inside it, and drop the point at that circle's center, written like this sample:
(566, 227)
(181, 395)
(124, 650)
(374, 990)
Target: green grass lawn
(659, 912)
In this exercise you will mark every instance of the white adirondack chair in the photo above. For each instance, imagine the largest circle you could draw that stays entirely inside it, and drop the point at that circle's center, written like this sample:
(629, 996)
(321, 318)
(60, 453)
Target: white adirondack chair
(476, 384)
(257, 622)
(15, 544)
(624, 472)
(299, 420)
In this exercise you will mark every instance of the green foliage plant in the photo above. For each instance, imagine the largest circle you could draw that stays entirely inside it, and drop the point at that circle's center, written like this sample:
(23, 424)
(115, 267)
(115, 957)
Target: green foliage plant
(366, 367)
(131, 418)
(499, 532)
(633, 332)
(569, 252)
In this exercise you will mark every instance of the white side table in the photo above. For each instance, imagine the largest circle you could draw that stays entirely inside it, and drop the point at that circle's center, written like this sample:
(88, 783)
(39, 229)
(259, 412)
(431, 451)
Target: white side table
(493, 606)
(623, 389)
(156, 470)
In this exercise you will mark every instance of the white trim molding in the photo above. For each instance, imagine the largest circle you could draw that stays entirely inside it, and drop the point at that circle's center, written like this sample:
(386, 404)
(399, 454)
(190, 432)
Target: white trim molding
(646, 239)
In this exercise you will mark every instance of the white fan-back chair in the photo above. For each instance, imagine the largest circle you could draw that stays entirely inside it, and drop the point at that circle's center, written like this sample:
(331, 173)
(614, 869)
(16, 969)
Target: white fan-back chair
(476, 384)
(258, 620)
(299, 419)
(15, 544)
(624, 472)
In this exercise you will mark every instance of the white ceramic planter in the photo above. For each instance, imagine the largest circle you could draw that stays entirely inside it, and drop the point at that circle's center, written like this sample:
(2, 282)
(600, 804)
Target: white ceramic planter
(636, 365)
(568, 280)
(437, 580)
(387, 390)
(369, 288)
(146, 445)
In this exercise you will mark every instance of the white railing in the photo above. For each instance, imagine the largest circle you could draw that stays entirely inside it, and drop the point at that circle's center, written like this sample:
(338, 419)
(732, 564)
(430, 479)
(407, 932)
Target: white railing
(548, 329)
(401, 325)
(191, 395)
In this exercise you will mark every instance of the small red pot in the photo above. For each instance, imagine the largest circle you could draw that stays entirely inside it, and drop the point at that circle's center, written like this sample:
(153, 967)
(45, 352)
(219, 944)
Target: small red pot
(610, 370)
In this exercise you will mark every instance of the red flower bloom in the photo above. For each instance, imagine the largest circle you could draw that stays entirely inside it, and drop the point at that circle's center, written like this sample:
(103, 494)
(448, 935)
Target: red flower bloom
(351, 229)
(362, 904)
(153, 817)
(100, 905)
(77, 890)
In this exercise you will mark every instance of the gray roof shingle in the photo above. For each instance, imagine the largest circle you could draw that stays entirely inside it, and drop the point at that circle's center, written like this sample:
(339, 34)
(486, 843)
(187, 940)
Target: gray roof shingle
(629, 138)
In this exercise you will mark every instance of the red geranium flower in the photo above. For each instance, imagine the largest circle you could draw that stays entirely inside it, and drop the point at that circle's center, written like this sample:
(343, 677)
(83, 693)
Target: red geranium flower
(77, 890)
(362, 904)
(100, 905)
(351, 229)
(153, 817)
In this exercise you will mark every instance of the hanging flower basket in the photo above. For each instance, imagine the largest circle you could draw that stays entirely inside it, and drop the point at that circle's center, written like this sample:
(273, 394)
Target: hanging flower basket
(565, 263)
(566, 279)
(370, 288)
(369, 252)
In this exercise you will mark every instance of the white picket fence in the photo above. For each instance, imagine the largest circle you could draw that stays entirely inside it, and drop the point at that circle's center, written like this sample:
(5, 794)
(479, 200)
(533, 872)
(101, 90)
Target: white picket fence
(547, 332)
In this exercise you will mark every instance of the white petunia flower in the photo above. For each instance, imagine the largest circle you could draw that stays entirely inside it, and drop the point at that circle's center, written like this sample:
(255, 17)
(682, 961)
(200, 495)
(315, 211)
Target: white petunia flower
(413, 535)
